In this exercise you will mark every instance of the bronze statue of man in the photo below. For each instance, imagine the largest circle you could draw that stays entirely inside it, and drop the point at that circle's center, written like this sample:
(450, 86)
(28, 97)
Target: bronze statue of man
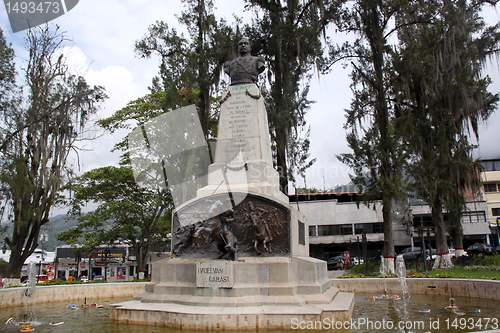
(245, 68)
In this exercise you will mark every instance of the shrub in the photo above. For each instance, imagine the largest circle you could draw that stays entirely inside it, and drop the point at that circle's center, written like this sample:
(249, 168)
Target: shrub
(373, 268)
(493, 260)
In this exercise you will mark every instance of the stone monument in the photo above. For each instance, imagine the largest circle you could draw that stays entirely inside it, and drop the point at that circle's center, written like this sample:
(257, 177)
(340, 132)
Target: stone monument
(240, 251)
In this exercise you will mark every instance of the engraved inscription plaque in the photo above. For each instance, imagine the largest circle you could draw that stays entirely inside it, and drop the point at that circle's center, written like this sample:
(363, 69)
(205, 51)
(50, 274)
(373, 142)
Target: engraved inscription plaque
(214, 274)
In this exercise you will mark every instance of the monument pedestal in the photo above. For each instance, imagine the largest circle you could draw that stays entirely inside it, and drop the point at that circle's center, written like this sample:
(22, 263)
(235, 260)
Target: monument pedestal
(255, 293)
(243, 139)
(271, 282)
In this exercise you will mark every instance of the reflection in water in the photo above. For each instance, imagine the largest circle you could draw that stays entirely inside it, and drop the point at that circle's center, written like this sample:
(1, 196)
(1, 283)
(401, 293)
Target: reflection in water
(426, 313)
(96, 320)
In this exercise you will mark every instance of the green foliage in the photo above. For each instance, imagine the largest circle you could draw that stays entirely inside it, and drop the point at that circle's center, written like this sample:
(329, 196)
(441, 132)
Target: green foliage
(493, 260)
(373, 268)
(288, 36)
(7, 73)
(478, 260)
(416, 100)
(126, 212)
(442, 98)
(377, 156)
(309, 190)
(483, 268)
(190, 66)
(38, 132)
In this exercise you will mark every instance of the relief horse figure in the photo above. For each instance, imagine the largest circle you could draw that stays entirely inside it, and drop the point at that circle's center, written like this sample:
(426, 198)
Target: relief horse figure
(185, 238)
(218, 231)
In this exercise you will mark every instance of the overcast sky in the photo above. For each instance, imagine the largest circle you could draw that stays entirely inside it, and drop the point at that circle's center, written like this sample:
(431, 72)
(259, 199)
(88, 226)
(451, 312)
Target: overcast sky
(103, 33)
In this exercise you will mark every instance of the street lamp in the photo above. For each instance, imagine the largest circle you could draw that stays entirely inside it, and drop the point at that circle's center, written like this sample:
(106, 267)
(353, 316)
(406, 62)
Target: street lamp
(365, 252)
(422, 240)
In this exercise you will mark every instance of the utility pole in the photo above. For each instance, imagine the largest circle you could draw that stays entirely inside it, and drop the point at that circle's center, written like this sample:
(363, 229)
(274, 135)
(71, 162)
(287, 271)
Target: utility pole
(44, 237)
(426, 272)
(365, 253)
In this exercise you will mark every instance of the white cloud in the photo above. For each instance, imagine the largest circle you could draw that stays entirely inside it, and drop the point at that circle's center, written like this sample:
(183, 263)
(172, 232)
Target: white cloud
(103, 34)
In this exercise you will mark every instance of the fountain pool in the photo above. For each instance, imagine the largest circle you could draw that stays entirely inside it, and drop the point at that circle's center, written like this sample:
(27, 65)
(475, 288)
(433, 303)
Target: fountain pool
(96, 320)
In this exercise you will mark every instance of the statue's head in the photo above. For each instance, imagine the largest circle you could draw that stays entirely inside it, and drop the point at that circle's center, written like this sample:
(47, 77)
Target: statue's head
(244, 46)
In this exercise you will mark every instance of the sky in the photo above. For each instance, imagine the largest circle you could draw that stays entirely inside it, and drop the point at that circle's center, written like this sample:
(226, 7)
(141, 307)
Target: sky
(103, 34)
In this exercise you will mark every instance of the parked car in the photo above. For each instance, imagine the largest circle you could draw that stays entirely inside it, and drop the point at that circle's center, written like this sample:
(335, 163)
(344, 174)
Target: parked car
(481, 248)
(411, 253)
(335, 263)
(98, 278)
(432, 254)
(42, 278)
(84, 279)
(356, 261)
(415, 253)
(452, 252)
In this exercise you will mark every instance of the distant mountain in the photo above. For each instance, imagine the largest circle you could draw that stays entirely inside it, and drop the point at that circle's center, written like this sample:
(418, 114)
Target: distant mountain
(56, 225)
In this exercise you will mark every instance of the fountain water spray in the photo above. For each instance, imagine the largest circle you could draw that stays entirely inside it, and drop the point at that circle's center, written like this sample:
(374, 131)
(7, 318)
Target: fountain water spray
(405, 296)
(383, 271)
(29, 313)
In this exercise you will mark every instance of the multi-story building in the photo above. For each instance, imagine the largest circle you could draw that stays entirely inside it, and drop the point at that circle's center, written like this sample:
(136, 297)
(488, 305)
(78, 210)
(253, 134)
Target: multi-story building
(490, 181)
(337, 223)
(474, 224)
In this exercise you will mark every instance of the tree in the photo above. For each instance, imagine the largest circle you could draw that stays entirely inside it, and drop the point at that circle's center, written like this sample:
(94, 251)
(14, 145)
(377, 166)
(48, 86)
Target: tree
(377, 157)
(7, 74)
(190, 67)
(37, 136)
(288, 36)
(443, 97)
(7, 94)
(126, 212)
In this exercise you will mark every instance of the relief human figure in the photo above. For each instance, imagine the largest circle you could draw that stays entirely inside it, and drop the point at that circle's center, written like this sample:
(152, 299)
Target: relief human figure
(262, 234)
(245, 68)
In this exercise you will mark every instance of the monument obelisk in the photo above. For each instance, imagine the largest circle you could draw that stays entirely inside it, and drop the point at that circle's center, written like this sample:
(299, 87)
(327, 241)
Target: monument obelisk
(240, 251)
(243, 136)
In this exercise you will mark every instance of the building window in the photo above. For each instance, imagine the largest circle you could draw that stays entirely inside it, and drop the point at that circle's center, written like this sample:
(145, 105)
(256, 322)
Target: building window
(358, 228)
(495, 211)
(491, 165)
(378, 228)
(490, 187)
(302, 233)
(334, 229)
(346, 229)
(325, 230)
(474, 217)
(369, 228)
(312, 231)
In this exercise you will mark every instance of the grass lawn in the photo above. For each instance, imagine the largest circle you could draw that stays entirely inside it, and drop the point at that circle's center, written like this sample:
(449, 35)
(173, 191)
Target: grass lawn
(456, 272)
(460, 272)
(473, 267)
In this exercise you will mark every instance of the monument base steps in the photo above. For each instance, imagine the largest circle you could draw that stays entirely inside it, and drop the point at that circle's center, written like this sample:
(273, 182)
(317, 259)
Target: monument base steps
(269, 293)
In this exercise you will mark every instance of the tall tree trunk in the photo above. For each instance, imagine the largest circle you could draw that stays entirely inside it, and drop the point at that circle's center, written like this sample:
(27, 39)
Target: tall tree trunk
(443, 260)
(458, 237)
(374, 34)
(389, 253)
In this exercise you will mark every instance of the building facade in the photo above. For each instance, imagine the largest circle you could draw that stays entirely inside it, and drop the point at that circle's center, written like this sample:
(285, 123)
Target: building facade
(490, 186)
(337, 223)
